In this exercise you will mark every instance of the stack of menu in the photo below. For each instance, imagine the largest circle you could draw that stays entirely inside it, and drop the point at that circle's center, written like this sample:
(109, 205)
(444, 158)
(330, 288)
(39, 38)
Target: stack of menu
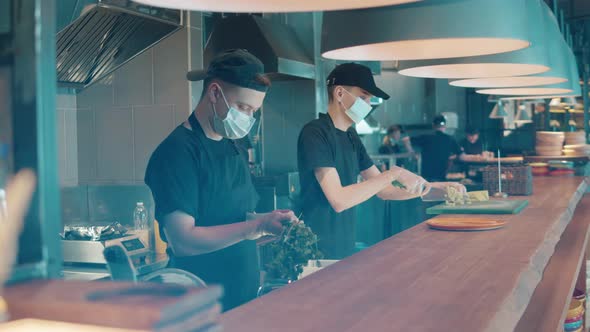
(146, 306)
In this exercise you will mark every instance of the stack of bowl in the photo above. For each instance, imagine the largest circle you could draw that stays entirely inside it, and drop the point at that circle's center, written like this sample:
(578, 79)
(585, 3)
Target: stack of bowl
(549, 143)
(574, 321)
(575, 137)
(577, 150)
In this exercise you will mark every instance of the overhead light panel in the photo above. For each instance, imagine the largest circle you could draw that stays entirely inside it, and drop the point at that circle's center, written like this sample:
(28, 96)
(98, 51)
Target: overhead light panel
(269, 6)
(432, 29)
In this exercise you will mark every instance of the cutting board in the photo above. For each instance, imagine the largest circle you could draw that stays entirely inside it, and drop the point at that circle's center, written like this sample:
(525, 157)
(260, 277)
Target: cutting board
(467, 223)
(488, 207)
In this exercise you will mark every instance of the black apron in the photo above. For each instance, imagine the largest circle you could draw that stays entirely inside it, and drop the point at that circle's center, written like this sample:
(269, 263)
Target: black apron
(226, 195)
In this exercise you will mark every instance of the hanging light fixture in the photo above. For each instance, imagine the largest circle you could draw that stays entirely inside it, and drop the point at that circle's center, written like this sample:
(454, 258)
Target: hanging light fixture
(567, 89)
(498, 112)
(574, 79)
(523, 116)
(532, 91)
(510, 82)
(559, 72)
(269, 6)
(528, 61)
(555, 102)
(431, 29)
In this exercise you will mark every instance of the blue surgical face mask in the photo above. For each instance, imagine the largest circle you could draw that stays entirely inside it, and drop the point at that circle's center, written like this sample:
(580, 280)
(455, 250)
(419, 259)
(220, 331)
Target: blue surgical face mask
(359, 110)
(235, 125)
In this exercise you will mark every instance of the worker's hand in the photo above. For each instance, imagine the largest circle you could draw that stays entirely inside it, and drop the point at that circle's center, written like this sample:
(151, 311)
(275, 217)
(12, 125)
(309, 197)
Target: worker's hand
(444, 185)
(18, 196)
(271, 224)
(392, 174)
(413, 183)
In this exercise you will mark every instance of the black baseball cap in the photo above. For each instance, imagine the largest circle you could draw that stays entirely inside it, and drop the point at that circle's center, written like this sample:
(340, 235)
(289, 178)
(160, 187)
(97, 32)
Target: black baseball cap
(237, 66)
(439, 121)
(354, 74)
(471, 131)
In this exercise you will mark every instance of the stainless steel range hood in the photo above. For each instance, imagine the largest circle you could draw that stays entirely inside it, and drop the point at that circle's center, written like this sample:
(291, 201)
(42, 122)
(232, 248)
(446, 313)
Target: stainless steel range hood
(276, 45)
(98, 36)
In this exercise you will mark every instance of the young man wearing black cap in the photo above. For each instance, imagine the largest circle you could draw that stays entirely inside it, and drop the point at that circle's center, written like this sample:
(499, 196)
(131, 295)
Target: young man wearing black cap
(438, 149)
(201, 184)
(331, 156)
(471, 145)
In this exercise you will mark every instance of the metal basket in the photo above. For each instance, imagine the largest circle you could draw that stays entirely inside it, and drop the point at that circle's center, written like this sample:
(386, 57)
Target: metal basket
(516, 180)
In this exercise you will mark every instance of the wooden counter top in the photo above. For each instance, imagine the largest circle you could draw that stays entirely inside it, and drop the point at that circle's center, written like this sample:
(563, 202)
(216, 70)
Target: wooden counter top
(426, 280)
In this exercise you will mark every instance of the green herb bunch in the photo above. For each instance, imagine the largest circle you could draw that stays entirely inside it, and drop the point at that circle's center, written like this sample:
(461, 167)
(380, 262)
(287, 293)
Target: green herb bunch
(292, 252)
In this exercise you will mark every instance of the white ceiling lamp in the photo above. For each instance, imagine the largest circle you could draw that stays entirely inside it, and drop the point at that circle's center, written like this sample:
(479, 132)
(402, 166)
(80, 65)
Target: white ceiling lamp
(508, 82)
(530, 98)
(431, 29)
(498, 112)
(269, 6)
(527, 61)
(571, 88)
(559, 72)
(532, 91)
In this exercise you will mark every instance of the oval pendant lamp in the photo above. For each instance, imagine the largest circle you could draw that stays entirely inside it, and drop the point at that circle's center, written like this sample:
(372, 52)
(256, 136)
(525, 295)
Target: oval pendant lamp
(269, 6)
(569, 88)
(528, 61)
(511, 81)
(559, 72)
(431, 29)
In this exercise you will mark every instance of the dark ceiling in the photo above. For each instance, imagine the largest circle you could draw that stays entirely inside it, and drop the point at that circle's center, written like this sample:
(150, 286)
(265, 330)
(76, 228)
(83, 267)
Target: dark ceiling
(577, 15)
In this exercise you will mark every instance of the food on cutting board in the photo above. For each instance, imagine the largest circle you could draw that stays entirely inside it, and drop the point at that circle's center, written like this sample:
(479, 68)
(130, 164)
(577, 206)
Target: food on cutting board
(479, 196)
(455, 197)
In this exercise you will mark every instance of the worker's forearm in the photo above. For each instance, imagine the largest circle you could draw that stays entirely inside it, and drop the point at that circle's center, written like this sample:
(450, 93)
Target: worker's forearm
(391, 193)
(469, 157)
(358, 193)
(408, 146)
(202, 240)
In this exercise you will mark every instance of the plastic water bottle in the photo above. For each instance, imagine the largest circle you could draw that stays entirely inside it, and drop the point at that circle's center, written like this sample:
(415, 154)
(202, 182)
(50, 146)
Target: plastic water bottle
(140, 217)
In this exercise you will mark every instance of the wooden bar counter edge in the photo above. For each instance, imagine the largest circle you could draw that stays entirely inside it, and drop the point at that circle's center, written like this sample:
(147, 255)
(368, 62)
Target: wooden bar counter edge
(427, 280)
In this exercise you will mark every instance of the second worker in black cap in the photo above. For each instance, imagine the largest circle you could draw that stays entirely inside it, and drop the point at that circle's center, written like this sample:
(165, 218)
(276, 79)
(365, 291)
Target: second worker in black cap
(201, 183)
(331, 156)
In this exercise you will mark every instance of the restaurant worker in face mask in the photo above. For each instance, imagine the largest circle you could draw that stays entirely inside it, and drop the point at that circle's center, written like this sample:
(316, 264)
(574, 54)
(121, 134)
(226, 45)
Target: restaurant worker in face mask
(331, 156)
(201, 183)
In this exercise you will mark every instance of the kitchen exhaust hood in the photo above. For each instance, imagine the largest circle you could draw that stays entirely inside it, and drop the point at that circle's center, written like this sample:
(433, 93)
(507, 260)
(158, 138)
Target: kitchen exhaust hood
(276, 45)
(95, 37)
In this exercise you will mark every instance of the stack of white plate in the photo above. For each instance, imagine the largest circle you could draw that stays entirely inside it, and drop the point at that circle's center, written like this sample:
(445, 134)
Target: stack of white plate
(577, 150)
(549, 143)
(575, 138)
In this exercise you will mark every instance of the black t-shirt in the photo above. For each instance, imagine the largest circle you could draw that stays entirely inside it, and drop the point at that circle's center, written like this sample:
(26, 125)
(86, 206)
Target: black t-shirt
(210, 181)
(323, 145)
(436, 148)
(471, 148)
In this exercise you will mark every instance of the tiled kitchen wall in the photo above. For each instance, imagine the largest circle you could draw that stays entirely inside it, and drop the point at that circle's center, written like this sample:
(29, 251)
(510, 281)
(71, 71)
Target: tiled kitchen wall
(120, 121)
(67, 131)
(108, 131)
